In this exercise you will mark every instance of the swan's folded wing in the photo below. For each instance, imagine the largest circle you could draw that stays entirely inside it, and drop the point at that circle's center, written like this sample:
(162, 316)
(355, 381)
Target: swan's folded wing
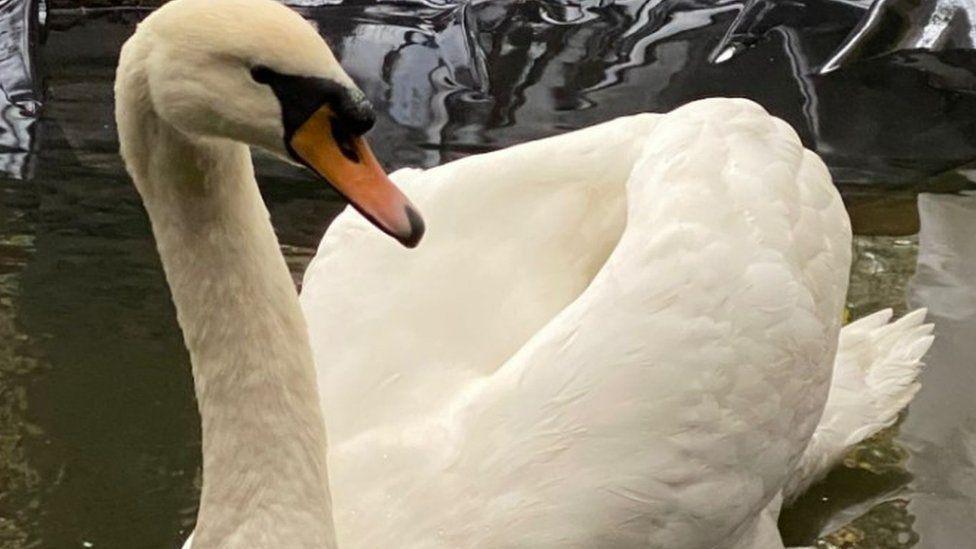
(667, 403)
(513, 236)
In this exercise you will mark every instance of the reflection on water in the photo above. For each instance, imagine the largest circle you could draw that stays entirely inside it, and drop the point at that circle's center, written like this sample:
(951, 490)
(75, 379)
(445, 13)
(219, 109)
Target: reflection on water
(893, 25)
(941, 430)
(19, 96)
(99, 427)
(473, 76)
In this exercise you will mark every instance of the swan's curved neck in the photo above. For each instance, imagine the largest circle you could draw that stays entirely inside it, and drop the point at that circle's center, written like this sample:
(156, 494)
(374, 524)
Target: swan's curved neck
(264, 446)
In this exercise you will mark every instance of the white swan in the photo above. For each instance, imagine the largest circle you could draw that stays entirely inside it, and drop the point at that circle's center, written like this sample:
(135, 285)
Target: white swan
(620, 337)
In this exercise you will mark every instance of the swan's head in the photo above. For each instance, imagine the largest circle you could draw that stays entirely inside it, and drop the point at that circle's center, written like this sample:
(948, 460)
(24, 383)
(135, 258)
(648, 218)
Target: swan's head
(254, 71)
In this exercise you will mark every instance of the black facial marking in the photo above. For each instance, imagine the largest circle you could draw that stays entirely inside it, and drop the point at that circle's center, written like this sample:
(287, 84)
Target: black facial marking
(301, 96)
(261, 74)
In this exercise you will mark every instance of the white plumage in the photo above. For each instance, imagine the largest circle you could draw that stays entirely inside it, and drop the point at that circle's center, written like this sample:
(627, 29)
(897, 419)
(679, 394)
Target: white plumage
(618, 337)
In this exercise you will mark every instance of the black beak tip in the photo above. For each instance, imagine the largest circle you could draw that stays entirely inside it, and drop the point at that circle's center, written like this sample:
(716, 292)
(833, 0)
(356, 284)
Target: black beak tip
(417, 228)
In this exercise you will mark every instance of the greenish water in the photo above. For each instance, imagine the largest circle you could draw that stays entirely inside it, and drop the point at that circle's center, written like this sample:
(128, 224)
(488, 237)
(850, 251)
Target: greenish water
(99, 434)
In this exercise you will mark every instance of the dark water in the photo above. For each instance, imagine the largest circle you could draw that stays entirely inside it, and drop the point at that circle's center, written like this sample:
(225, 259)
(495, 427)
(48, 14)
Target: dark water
(98, 427)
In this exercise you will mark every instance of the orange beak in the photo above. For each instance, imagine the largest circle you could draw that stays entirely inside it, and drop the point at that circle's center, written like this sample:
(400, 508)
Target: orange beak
(347, 162)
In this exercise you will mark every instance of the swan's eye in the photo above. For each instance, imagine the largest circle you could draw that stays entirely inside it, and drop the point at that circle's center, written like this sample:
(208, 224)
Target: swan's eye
(262, 74)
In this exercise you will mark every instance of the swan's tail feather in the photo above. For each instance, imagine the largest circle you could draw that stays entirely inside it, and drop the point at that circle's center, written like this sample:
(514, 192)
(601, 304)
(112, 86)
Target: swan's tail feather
(875, 377)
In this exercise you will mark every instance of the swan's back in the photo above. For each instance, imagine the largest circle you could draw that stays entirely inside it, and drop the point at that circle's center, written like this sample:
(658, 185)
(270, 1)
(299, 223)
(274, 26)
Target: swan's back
(512, 237)
(661, 403)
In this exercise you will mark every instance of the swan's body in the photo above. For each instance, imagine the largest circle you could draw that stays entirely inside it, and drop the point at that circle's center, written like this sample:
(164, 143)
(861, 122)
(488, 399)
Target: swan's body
(620, 337)
(558, 398)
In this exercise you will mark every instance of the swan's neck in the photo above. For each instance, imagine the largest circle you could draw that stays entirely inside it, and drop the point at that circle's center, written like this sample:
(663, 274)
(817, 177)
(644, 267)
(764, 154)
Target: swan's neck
(264, 447)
